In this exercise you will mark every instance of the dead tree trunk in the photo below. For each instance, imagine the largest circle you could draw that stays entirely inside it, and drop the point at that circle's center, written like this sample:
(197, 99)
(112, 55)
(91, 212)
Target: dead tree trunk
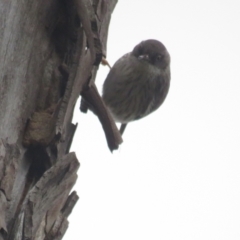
(49, 54)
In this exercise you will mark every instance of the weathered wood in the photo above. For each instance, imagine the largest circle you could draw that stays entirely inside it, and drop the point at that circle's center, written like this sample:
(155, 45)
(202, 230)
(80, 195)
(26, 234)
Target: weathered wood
(3, 206)
(49, 50)
(112, 134)
(47, 197)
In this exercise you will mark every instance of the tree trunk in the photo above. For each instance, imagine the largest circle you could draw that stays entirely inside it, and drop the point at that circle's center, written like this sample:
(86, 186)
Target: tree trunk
(50, 51)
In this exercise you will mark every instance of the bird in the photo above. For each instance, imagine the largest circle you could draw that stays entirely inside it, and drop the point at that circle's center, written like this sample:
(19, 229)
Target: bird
(138, 82)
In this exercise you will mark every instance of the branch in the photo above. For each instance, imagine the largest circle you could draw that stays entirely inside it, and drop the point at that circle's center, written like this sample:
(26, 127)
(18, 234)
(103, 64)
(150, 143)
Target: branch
(112, 134)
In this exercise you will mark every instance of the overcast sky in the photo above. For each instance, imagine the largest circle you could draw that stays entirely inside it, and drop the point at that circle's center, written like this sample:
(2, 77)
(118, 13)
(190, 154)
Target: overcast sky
(177, 173)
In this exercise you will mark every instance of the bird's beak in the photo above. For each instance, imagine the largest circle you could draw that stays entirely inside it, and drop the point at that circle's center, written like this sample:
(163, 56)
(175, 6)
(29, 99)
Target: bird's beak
(144, 57)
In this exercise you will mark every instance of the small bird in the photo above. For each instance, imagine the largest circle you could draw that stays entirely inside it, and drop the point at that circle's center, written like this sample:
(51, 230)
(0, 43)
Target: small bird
(138, 82)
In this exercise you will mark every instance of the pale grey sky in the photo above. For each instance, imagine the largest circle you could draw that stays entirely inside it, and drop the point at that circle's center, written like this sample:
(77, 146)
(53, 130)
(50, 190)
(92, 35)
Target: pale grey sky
(177, 174)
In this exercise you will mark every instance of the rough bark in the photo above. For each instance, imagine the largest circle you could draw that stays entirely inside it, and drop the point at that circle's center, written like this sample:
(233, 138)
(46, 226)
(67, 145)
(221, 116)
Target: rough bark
(49, 54)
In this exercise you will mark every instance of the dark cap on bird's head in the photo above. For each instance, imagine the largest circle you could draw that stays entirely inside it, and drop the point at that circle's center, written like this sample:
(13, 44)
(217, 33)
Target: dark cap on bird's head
(152, 51)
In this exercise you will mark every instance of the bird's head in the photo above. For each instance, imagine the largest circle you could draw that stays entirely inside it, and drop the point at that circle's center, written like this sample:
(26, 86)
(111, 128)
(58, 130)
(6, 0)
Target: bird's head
(153, 52)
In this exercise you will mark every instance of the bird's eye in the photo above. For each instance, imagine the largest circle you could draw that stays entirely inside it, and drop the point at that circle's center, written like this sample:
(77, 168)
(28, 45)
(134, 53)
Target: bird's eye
(159, 57)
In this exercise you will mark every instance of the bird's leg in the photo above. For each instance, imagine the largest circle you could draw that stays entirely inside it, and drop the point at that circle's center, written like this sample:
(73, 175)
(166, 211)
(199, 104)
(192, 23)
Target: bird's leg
(122, 128)
(104, 62)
